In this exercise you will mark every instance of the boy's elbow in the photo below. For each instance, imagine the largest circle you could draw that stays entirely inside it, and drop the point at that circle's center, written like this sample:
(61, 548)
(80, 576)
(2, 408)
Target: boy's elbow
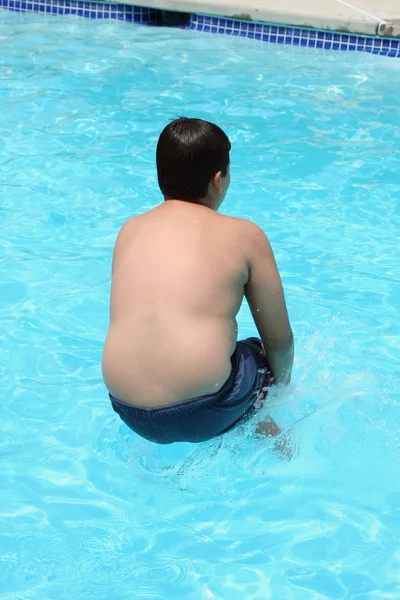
(279, 339)
(284, 342)
(290, 341)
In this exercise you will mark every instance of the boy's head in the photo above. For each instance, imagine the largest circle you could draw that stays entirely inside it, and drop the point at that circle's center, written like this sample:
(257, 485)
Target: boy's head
(193, 162)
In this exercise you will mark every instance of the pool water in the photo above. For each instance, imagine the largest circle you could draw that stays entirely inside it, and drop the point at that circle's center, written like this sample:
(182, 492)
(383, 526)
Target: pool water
(88, 509)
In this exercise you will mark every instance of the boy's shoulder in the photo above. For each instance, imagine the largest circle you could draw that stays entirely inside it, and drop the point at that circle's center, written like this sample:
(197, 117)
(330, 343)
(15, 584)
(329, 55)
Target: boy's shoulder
(129, 225)
(248, 236)
(234, 226)
(243, 227)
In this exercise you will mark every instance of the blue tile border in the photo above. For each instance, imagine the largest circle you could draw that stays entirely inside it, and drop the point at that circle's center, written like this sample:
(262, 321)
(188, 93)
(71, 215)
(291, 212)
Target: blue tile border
(296, 36)
(89, 10)
(276, 34)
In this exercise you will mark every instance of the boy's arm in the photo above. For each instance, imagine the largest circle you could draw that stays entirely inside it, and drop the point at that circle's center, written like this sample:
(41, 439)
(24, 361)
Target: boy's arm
(264, 293)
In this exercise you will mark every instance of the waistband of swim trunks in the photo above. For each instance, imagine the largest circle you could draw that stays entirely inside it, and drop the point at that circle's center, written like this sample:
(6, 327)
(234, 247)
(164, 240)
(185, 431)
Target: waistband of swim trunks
(199, 401)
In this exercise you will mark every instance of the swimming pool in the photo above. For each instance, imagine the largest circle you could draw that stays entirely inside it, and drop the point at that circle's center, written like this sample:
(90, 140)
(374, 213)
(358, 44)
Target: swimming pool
(89, 510)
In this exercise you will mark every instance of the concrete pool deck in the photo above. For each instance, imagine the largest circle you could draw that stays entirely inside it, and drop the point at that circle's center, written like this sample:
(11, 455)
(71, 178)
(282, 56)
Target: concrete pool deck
(373, 17)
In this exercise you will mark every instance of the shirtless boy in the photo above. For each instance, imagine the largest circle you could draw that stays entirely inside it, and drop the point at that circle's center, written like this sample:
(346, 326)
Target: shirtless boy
(171, 361)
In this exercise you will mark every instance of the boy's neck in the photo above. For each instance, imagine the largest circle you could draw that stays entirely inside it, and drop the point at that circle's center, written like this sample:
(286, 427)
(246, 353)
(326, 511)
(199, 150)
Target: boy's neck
(206, 202)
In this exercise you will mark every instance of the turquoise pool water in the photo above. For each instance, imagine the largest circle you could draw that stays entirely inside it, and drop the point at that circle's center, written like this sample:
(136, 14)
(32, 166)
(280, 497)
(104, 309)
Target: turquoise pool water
(89, 510)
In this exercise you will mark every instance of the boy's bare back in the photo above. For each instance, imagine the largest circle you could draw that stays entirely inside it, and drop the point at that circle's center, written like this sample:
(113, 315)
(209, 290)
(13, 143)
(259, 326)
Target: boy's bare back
(180, 272)
(171, 361)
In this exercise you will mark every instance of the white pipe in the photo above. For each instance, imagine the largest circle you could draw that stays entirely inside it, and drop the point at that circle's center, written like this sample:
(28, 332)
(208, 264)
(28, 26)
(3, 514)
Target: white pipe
(361, 11)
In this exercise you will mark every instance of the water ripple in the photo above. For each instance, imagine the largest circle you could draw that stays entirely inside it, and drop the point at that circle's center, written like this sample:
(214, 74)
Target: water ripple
(89, 510)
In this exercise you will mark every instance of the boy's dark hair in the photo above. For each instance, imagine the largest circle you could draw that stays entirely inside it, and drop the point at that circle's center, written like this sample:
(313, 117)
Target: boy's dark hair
(189, 153)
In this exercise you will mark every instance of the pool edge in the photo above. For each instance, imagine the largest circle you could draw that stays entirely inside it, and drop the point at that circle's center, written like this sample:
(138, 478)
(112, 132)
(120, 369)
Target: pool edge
(266, 32)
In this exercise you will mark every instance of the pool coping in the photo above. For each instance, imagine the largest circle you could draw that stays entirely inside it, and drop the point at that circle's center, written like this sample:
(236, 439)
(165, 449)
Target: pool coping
(367, 17)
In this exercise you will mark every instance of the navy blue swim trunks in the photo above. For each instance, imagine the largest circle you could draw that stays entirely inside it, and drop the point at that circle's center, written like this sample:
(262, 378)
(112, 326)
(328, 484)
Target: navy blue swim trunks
(200, 419)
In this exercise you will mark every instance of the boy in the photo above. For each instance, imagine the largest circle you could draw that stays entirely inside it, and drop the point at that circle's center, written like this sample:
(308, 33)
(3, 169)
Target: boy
(171, 361)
